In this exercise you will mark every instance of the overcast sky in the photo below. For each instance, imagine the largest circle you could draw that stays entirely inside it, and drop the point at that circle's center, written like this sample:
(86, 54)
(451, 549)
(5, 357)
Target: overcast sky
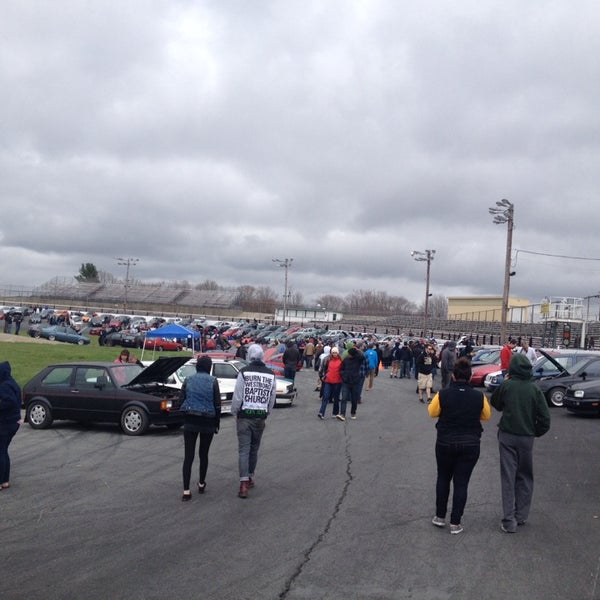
(207, 138)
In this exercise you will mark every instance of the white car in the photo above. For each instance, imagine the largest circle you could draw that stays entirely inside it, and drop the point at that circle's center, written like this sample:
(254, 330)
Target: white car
(226, 371)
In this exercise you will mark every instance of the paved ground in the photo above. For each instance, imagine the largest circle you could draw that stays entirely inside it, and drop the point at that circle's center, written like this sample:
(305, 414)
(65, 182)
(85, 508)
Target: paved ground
(340, 511)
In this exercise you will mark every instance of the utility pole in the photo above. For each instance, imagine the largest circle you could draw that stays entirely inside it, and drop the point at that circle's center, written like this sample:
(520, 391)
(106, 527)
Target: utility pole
(428, 256)
(128, 263)
(505, 213)
(286, 263)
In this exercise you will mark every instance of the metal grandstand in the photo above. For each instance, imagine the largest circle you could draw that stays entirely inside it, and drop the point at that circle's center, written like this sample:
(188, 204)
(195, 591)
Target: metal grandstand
(115, 293)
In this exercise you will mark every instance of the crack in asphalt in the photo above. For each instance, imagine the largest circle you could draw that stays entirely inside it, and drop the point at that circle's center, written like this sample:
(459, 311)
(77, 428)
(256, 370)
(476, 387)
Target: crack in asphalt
(328, 524)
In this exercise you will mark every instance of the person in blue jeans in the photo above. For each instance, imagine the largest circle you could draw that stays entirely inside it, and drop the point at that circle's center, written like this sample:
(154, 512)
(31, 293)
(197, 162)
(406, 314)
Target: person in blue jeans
(10, 419)
(253, 399)
(331, 380)
(459, 409)
(352, 382)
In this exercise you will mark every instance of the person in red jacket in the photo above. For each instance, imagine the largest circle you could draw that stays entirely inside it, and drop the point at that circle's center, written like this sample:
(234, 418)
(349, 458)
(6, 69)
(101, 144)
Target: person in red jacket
(330, 374)
(506, 354)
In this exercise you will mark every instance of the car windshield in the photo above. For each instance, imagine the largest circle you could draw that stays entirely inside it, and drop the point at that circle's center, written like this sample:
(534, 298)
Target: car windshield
(124, 373)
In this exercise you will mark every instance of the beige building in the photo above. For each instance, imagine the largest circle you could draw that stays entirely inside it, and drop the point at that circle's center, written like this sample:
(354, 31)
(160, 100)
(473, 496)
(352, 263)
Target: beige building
(487, 308)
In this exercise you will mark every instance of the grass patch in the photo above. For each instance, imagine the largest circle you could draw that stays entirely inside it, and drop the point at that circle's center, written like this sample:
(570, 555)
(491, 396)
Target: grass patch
(27, 358)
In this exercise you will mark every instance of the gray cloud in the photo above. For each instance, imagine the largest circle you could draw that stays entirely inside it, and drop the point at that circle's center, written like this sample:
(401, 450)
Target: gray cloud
(208, 138)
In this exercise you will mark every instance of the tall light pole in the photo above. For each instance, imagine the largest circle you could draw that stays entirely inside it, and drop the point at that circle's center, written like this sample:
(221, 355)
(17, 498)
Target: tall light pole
(427, 255)
(128, 263)
(286, 263)
(504, 212)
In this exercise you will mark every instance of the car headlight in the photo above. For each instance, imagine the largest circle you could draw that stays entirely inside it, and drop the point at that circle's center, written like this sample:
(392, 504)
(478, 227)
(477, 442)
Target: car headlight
(578, 393)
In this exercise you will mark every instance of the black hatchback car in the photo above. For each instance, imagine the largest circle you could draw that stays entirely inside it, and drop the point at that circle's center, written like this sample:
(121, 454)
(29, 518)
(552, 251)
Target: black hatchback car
(128, 394)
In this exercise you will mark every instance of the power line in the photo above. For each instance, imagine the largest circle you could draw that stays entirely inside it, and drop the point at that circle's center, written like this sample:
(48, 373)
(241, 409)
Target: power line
(554, 255)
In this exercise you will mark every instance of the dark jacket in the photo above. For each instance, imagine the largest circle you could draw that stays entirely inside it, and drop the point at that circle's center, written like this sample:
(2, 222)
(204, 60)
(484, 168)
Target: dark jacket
(291, 356)
(460, 416)
(10, 396)
(201, 403)
(522, 403)
(352, 367)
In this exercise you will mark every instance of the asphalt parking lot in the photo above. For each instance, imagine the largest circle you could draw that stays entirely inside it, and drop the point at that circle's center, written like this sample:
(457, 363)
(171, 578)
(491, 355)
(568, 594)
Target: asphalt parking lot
(339, 511)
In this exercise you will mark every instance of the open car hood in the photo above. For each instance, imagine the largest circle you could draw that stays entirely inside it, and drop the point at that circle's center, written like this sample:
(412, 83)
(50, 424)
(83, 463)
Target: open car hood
(554, 362)
(159, 371)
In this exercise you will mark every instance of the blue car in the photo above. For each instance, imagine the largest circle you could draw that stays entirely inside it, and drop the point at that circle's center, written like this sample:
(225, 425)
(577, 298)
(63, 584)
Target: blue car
(60, 333)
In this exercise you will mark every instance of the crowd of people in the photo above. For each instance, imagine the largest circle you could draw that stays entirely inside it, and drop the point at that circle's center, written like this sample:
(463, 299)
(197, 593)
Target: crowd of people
(343, 370)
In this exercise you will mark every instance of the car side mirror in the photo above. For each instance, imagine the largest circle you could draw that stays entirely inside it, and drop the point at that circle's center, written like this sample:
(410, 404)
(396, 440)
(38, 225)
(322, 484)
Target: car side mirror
(584, 375)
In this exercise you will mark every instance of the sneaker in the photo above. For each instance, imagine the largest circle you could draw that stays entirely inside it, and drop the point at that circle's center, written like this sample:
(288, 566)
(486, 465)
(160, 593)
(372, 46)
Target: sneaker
(353, 417)
(505, 530)
(340, 417)
(243, 493)
(438, 521)
(320, 416)
(454, 529)
(521, 523)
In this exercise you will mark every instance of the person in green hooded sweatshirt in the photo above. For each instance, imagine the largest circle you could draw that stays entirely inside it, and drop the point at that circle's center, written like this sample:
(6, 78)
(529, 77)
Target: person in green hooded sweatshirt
(525, 416)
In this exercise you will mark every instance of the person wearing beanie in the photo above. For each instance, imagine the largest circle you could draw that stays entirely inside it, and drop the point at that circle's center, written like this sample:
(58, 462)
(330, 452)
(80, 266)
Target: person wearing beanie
(201, 406)
(525, 416)
(253, 400)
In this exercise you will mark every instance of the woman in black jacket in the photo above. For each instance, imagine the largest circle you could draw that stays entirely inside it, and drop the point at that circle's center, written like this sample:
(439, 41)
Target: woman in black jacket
(460, 410)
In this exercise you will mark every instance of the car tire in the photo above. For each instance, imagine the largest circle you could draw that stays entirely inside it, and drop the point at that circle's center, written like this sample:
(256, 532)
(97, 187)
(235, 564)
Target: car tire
(51, 337)
(556, 396)
(80, 342)
(134, 421)
(39, 415)
(37, 335)
(159, 348)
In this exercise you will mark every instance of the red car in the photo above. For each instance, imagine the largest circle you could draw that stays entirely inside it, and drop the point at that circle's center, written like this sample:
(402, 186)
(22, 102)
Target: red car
(161, 344)
(480, 372)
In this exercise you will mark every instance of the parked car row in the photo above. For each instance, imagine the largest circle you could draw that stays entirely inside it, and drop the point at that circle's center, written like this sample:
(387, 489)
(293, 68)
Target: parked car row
(555, 371)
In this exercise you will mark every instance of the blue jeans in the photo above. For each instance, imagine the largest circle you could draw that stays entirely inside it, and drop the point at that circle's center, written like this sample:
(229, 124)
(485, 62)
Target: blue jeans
(7, 432)
(350, 393)
(289, 372)
(455, 462)
(249, 433)
(331, 391)
(405, 369)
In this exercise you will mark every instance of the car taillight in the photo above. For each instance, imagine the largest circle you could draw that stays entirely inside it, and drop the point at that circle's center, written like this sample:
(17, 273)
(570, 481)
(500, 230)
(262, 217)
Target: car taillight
(166, 405)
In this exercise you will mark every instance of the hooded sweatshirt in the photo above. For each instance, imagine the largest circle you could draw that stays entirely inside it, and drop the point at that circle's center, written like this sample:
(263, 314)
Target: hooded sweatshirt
(522, 403)
(10, 396)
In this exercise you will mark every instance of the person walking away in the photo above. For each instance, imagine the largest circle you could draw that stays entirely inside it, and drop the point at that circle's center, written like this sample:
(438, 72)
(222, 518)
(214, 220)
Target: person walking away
(425, 365)
(10, 419)
(447, 361)
(405, 361)
(525, 416)
(372, 365)
(201, 405)
(309, 352)
(317, 355)
(290, 359)
(253, 399)
(351, 382)
(331, 381)
(459, 410)
(506, 354)
(395, 358)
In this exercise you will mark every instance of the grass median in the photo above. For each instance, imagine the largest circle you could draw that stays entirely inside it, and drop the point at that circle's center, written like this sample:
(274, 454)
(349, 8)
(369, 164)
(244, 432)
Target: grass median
(27, 358)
